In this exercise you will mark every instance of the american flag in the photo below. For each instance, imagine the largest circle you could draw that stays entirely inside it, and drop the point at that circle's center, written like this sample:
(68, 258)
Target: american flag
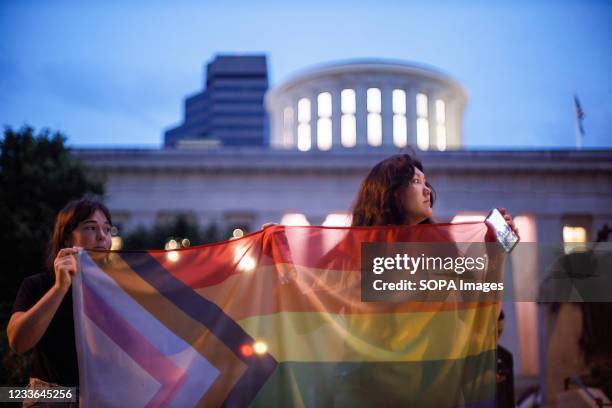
(579, 114)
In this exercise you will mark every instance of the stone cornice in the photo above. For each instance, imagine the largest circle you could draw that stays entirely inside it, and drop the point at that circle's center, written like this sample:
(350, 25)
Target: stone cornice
(369, 68)
(261, 160)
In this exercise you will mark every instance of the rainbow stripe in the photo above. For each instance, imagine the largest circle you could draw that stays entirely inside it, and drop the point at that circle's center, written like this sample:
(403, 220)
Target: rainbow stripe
(156, 330)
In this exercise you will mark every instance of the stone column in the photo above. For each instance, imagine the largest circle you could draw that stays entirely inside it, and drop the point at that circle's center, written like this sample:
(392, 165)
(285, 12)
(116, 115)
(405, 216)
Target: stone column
(431, 116)
(386, 110)
(296, 122)
(336, 117)
(282, 139)
(314, 116)
(454, 123)
(361, 115)
(450, 123)
(411, 116)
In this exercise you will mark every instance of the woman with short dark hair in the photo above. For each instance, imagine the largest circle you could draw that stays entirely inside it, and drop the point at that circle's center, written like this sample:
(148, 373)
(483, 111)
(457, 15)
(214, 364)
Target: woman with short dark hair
(42, 318)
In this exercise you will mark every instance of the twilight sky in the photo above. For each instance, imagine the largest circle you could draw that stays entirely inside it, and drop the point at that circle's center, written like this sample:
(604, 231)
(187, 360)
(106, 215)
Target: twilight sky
(114, 74)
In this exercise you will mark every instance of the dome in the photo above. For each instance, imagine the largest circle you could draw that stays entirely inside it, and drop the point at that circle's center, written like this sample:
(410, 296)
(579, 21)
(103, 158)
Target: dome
(366, 103)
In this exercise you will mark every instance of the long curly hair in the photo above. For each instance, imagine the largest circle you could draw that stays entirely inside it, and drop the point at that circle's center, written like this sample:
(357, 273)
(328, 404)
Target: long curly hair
(380, 197)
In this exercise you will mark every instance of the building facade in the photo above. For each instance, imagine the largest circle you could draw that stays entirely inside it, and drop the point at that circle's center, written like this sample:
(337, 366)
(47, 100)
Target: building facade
(329, 126)
(251, 186)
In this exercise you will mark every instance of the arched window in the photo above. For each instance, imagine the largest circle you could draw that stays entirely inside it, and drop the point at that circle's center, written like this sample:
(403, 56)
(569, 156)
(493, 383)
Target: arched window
(324, 121)
(374, 117)
(400, 129)
(348, 124)
(304, 137)
(422, 121)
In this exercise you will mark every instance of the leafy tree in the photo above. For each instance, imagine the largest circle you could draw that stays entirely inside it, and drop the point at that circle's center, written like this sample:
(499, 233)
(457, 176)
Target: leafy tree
(38, 176)
(158, 235)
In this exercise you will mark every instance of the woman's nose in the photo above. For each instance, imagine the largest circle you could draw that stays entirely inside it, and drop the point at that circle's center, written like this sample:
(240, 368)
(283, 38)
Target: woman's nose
(102, 234)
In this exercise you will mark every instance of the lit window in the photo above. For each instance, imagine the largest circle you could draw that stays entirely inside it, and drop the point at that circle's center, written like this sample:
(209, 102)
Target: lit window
(574, 238)
(324, 105)
(304, 110)
(374, 117)
(324, 122)
(338, 220)
(324, 133)
(373, 102)
(422, 122)
(304, 142)
(303, 137)
(399, 102)
(400, 129)
(348, 124)
(294, 219)
(440, 125)
(468, 217)
(116, 243)
(421, 105)
(288, 127)
(347, 100)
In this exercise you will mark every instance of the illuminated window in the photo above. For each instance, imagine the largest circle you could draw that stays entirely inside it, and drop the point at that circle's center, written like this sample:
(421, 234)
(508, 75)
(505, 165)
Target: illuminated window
(116, 243)
(288, 127)
(422, 122)
(374, 117)
(324, 122)
(574, 238)
(440, 125)
(338, 220)
(348, 124)
(304, 137)
(400, 129)
(294, 219)
(468, 217)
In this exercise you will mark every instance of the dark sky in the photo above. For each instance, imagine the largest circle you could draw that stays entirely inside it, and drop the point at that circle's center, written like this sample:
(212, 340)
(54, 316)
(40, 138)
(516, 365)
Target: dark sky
(111, 74)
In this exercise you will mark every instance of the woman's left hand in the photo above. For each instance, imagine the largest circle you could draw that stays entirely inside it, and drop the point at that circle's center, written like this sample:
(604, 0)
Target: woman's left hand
(509, 220)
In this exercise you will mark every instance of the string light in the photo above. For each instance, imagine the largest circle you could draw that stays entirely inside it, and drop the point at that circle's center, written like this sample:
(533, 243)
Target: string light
(260, 347)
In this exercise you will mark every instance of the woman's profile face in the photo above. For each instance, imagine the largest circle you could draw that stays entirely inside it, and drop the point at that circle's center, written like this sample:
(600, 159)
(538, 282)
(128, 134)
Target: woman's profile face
(417, 199)
(93, 233)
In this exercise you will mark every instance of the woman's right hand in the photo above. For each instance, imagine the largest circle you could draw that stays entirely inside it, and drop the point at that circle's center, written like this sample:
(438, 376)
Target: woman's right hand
(65, 266)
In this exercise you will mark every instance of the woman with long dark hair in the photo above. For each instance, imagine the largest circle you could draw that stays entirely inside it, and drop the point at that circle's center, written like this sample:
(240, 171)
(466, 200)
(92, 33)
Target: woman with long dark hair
(41, 319)
(396, 192)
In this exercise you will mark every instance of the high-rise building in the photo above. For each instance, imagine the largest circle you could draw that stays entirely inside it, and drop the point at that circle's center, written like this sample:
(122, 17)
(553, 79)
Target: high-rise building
(230, 110)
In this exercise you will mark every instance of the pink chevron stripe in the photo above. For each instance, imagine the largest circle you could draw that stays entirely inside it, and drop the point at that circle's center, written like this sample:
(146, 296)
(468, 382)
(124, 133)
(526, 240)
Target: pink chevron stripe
(136, 346)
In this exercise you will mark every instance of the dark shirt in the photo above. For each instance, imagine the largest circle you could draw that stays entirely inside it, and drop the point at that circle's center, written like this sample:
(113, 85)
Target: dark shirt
(54, 357)
(505, 389)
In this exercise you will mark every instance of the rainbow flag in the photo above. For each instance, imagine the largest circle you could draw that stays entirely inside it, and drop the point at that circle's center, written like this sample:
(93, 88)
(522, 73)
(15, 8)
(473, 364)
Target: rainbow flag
(275, 319)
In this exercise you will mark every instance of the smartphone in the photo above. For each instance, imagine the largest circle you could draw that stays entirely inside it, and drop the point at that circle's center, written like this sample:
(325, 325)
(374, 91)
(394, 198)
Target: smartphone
(506, 237)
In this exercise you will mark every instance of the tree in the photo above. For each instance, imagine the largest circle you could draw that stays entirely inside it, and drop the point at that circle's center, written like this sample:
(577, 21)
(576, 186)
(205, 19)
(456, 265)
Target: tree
(38, 176)
(158, 235)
